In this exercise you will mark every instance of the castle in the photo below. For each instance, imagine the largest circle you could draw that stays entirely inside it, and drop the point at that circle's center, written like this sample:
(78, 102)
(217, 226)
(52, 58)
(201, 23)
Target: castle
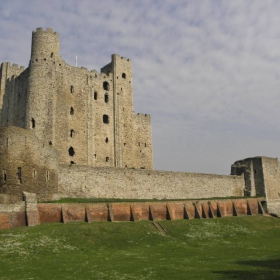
(69, 132)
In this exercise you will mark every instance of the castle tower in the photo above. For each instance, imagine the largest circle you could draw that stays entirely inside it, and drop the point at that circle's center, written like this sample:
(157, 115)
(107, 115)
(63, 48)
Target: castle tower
(40, 105)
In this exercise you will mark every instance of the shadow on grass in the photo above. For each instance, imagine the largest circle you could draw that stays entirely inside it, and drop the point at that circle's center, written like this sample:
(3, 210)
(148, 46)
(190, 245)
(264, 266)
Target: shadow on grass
(267, 269)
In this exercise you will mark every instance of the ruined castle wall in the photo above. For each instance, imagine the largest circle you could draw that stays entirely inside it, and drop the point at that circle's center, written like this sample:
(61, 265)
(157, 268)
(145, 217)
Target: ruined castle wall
(26, 164)
(13, 94)
(83, 181)
(252, 170)
(271, 172)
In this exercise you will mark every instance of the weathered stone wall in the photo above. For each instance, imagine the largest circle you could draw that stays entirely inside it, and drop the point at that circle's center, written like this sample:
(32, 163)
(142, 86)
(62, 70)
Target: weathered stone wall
(26, 164)
(83, 181)
(12, 215)
(253, 173)
(13, 94)
(271, 172)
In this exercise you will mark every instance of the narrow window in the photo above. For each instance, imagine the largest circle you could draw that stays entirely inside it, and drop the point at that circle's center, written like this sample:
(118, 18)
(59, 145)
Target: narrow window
(107, 159)
(4, 176)
(95, 95)
(71, 111)
(50, 143)
(32, 123)
(19, 175)
(52, 54)
(72, 133)
(34, 173)
(255, 171)
(123, 75)
(47, 175)
(72, 89)
(124, 144)
(145, 144)
(95, 156)
(105, 119)
(71, 151)
(106, 98)
(106, 140)
(106, 86)
(139, 144)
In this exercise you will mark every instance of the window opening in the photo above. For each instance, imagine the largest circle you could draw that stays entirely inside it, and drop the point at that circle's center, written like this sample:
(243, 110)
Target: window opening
(106, 85)
(255, 171)
(47, 175)
(105, 119)
(145, 144)
(123, 75)
(71, 111)
(71, 151)
(139, 144)
(52, 54)
(4, 176)
(72, 89)
(106, 98)
(72, 162)
(95, 156)
(50, 143)
(34, 173)
(106, 140)
(32, 123)
(124, 144)
(72, 133)
(19, 175)
(107, 159)
(95, 95)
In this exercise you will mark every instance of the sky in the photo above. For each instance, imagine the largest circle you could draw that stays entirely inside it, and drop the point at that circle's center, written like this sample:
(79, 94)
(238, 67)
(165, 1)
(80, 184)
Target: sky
(206, 71)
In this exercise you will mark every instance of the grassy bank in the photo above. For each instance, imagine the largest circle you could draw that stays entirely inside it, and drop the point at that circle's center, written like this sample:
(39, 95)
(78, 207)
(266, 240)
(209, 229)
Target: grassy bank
(227, 248)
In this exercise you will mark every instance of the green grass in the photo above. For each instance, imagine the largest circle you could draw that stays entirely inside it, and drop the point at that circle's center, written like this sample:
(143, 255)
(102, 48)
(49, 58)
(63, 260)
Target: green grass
(221, 248)
(109, 200)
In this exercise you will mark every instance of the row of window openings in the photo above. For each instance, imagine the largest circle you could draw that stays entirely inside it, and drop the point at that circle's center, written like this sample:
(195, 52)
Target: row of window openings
(139, 144)
(106, 85)
(105, 119)
(71, 153)
(19, 175)
(106, 97)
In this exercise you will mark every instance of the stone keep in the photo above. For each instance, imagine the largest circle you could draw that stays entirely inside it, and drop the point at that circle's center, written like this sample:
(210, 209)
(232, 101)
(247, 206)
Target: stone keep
(86, 116)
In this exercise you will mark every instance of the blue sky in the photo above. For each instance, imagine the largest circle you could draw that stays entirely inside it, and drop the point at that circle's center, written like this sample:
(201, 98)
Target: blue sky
(207, 71)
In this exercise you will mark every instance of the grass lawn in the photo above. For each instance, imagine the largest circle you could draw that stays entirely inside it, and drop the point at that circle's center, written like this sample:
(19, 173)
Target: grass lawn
(221, 248)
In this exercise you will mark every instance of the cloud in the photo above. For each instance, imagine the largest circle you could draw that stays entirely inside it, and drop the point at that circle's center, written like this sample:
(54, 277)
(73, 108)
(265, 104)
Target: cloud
(207, 71)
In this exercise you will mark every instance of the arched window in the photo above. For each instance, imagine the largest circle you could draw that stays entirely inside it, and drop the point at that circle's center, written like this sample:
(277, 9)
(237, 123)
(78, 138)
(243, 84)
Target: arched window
(71, 111)
(123, 75)
(106, 140)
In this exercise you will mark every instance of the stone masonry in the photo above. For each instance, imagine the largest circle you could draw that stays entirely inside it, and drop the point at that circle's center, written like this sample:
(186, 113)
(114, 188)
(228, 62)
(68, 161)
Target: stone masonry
(87, 116)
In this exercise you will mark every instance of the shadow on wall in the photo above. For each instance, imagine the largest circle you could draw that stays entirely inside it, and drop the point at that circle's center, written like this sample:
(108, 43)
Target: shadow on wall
(257, 270)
